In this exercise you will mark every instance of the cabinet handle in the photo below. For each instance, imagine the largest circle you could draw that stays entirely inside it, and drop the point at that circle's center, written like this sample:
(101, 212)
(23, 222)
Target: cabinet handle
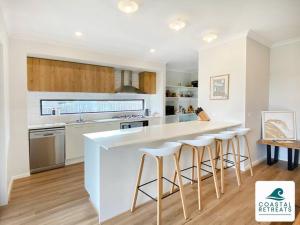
(49, 134)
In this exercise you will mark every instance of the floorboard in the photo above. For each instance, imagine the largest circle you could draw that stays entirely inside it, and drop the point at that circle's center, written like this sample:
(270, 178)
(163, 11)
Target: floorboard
(57, 197)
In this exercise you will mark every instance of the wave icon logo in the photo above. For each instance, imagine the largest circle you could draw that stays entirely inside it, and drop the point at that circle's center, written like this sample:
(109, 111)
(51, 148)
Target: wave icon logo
(276, 195)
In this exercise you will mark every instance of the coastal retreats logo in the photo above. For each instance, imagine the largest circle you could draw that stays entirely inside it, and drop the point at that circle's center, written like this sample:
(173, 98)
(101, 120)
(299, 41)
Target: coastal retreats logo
(276, 195)
(274, 201)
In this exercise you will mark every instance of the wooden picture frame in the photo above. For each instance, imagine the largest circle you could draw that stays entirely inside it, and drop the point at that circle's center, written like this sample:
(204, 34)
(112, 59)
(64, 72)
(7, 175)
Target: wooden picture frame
(279, 125)
(219, 87)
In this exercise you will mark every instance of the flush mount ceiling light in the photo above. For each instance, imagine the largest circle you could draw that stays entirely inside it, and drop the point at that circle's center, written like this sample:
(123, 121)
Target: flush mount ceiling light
(152, 50)
(210, 37)
(128, 6)
(78, 34)
(177, 24)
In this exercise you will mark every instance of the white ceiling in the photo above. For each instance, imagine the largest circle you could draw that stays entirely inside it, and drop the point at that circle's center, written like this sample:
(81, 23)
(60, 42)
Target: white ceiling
(108, 30)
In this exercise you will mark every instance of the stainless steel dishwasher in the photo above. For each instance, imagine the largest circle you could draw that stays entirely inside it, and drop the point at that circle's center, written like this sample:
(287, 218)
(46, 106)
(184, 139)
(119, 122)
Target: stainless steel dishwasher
(46, 149)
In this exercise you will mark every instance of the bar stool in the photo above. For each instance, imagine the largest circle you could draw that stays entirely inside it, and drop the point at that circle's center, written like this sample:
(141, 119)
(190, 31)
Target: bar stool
(242, 133)
(167, 149)
(199, 145)
(234, 133)
(223, 137)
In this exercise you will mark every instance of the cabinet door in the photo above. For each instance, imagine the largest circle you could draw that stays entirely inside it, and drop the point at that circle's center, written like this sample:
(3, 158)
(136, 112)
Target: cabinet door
(88, 78)
(97, 79)
(75, 138)
(32, 79)
(147, 82)
(65, 77)
(60, 76)
(105, 80)
(39, 75)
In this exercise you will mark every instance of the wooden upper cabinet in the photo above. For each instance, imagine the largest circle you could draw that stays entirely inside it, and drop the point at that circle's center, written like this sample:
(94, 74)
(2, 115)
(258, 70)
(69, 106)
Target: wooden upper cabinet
(38, 75)
(60, 76)
(147, 82)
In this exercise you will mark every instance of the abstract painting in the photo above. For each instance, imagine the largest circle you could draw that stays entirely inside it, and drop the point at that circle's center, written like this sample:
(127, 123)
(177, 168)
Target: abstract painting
(279, 125)
(219, 87)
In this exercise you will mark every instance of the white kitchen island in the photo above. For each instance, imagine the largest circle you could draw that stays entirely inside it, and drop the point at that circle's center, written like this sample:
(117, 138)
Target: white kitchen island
(111, 162)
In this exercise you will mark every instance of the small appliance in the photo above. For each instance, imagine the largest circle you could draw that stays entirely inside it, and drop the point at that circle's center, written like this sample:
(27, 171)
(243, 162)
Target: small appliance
(170, 110)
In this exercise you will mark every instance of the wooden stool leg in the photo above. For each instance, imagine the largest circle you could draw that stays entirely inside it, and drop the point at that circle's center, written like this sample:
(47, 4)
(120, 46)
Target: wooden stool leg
(222, 166)
(214, 172)
(193, 165)
(201, 155)
(227, 151)
(138, 183)
(238, 155)
(199, 180)
(179, 178)
(159, 163)
(235, 163)
(199, 160)
(217, 152)
(175, 173)
(249, 155)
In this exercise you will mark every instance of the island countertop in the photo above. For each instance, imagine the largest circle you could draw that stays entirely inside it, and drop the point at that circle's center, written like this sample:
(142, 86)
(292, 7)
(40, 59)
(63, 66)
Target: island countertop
(119, 138)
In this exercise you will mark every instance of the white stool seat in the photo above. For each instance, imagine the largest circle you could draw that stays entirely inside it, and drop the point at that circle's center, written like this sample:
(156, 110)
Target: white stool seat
(242, 131)
(200, 141)
(168, 148)
(223, 136)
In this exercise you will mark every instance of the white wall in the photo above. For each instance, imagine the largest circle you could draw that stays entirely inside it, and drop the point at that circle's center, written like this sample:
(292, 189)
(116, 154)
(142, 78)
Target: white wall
(19, 50)
(4, 126)
(257, 92)
(247, 62)
(285, 80)
(226, 58)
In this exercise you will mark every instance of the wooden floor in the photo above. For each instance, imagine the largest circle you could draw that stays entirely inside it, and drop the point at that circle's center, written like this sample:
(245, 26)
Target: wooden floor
(58, 197)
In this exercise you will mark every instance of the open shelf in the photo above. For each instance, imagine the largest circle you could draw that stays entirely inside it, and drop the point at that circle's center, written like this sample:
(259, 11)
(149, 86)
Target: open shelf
(182, 87)
(178, 102)
(180, 98)
(181, 114)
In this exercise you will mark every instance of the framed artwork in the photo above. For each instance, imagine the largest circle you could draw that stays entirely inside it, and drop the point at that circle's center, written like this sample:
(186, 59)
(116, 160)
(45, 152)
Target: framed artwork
(219, 87)
(279, 125)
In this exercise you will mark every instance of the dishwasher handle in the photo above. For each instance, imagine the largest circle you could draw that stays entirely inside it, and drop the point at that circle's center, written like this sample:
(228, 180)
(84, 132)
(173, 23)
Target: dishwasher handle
(46, 133)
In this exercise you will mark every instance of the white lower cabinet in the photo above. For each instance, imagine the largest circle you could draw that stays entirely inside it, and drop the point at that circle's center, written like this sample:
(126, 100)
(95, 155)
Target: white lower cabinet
(75, 138)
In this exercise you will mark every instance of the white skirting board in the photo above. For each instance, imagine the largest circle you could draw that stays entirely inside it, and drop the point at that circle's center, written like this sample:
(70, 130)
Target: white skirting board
(256, 162)
(12, 179)
(74, 161)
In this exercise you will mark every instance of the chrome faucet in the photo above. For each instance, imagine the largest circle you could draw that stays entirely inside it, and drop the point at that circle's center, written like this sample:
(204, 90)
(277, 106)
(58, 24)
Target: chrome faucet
(80, 120)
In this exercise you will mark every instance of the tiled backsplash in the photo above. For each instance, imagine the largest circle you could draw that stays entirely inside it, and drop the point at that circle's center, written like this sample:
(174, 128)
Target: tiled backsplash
(63, 106)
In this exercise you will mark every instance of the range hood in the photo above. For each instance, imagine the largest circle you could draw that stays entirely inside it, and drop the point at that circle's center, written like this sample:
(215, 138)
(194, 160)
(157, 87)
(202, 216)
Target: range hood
(128, 88)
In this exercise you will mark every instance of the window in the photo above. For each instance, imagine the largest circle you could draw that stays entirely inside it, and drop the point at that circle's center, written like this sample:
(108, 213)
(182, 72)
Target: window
(89, 106)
